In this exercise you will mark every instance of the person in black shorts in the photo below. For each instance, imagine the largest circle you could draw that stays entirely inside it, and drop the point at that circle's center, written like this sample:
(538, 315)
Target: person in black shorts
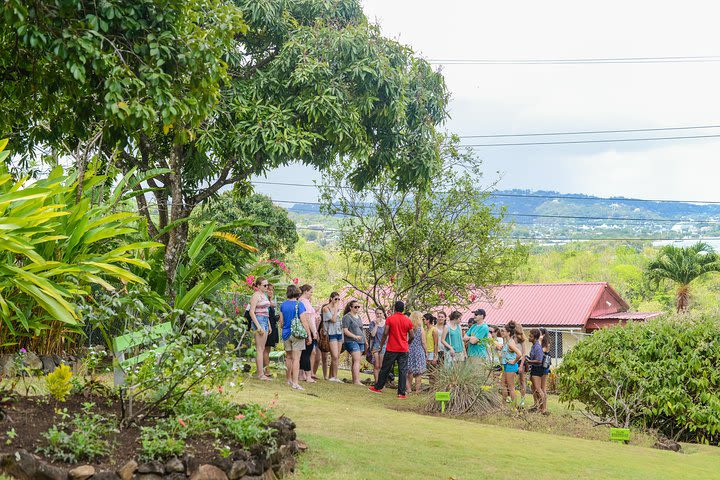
(273, 337)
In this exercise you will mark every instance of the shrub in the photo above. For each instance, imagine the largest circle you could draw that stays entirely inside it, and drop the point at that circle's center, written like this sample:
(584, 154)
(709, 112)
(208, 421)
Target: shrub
(165, 439)
(472, 388)
(84, 437)
(59, 382)
(661, 374)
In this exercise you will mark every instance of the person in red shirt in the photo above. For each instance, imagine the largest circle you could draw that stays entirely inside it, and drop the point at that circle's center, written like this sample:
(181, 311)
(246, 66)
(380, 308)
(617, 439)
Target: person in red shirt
(398, 333)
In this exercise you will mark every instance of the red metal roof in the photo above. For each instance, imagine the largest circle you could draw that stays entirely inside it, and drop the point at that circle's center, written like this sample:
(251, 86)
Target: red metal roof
(627, 316)
(546, 304)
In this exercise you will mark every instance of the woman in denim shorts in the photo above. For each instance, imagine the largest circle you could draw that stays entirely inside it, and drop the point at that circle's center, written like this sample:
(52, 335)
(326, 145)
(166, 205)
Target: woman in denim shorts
(354, 337)
(377, 328)
(333, 326)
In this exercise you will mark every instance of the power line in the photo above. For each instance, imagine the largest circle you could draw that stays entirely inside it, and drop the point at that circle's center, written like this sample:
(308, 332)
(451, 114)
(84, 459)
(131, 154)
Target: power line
(610, 140)
(575, 61)
(588, 132)
(522, 195)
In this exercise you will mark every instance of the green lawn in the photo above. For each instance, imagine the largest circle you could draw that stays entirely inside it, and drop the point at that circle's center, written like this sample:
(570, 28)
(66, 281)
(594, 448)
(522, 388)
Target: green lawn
(355, 434)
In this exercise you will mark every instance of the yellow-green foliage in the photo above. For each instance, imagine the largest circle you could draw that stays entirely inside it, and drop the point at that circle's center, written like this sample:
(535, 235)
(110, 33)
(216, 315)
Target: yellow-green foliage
(58, 382)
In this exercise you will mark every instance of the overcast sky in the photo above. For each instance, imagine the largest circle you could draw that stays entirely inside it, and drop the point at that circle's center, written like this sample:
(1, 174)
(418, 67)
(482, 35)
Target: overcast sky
(506, 99)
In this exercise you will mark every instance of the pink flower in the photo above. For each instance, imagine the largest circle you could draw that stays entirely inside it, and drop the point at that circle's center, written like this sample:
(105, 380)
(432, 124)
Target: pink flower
(250, 279)
(296, 281)
(22, 350)
(220, 389)
(180, 421)
(473, 297)
(239, 417)
(237, 310)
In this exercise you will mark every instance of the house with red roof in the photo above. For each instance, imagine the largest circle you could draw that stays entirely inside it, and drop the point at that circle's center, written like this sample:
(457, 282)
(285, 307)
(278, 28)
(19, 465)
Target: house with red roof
(568, 311)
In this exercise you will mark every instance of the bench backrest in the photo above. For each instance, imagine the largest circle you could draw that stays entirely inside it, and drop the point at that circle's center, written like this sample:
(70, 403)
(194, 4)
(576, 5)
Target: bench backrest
(123, 343)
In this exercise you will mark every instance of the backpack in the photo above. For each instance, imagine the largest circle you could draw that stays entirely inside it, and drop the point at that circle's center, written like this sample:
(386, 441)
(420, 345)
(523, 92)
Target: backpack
(296, 327)
(547, 361)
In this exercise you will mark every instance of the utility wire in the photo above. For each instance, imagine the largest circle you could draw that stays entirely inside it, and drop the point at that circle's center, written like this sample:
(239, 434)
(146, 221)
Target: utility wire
(609, 140)
(575, 61)
(588, 132)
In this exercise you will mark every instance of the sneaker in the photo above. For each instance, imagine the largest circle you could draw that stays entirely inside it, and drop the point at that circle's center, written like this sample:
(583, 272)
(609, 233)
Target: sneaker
(402, 397)
(334, 379)
(298, 387)
(374, 390)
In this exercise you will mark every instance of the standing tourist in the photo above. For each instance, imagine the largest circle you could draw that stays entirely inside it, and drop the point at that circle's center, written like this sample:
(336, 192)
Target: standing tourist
(306, 356)
(354, 337)
(332, 320)
(290, 310)
(417, 354)
(431, 338)
(476, 338)
(273, 336)
(377, 348)
(537, 371)
(440, 327)
(453, 341)
(547, 358)
(522, 368)
(509, 354)
(260, 317)
(397, 334)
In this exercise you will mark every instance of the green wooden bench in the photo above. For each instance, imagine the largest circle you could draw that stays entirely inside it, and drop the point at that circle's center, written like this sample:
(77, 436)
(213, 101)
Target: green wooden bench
(123, 344)
(277, 355)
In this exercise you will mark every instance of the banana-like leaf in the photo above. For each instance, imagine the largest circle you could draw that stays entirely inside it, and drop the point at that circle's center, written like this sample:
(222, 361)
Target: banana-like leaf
(212, 282)
(232, 238)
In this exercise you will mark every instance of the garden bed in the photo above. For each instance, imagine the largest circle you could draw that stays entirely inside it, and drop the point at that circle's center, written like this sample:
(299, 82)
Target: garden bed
(25, 421)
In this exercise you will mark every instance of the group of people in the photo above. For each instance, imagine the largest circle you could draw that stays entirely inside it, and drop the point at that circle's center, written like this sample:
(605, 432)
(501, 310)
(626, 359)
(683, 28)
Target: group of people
(416, 343)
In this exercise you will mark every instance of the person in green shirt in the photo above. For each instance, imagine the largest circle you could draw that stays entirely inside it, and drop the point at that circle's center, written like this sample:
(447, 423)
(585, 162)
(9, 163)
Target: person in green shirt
(476, 338)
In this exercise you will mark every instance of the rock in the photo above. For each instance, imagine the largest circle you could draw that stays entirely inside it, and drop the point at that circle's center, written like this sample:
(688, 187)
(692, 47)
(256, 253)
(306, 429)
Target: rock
(32, 361)
(254, 466)
(174, 465)
(284, 450)
(7, 366)
(241, 455)
(293, 447)
(238, 470)
(152, 467)
(48, 365)
(127, 471)
(252, 477)
(269, 475)
(287, 466)
(175, 476)
(24, 466)
(57, 360)
(106, 476)
(20, 465)
(209, 472)
(302, 446)
(149, 476)
(83, 472)
(191, 465)
(224, 464)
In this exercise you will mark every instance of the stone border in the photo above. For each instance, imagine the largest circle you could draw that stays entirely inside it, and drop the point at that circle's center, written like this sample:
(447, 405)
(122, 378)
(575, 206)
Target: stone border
(252, 464)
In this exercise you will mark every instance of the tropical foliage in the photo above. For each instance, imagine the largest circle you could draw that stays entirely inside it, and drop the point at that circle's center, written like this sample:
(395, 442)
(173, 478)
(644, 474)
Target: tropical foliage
(661, 374)
(682, 265)
(53, 251)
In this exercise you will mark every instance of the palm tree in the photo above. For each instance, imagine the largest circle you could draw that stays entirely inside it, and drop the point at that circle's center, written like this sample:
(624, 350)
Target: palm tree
(682, 265)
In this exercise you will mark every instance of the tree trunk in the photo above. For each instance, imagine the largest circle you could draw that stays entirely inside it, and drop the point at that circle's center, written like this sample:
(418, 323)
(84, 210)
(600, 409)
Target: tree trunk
(177, 236)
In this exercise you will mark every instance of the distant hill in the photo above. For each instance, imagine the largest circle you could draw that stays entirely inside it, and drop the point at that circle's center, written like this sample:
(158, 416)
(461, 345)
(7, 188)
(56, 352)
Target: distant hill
(535, 202)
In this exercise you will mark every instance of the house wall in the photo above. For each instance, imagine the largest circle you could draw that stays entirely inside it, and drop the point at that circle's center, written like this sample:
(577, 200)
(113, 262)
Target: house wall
(606, 304)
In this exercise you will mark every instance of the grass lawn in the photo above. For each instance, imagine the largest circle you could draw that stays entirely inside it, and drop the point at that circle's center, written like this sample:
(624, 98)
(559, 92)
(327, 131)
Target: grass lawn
(354, 434)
